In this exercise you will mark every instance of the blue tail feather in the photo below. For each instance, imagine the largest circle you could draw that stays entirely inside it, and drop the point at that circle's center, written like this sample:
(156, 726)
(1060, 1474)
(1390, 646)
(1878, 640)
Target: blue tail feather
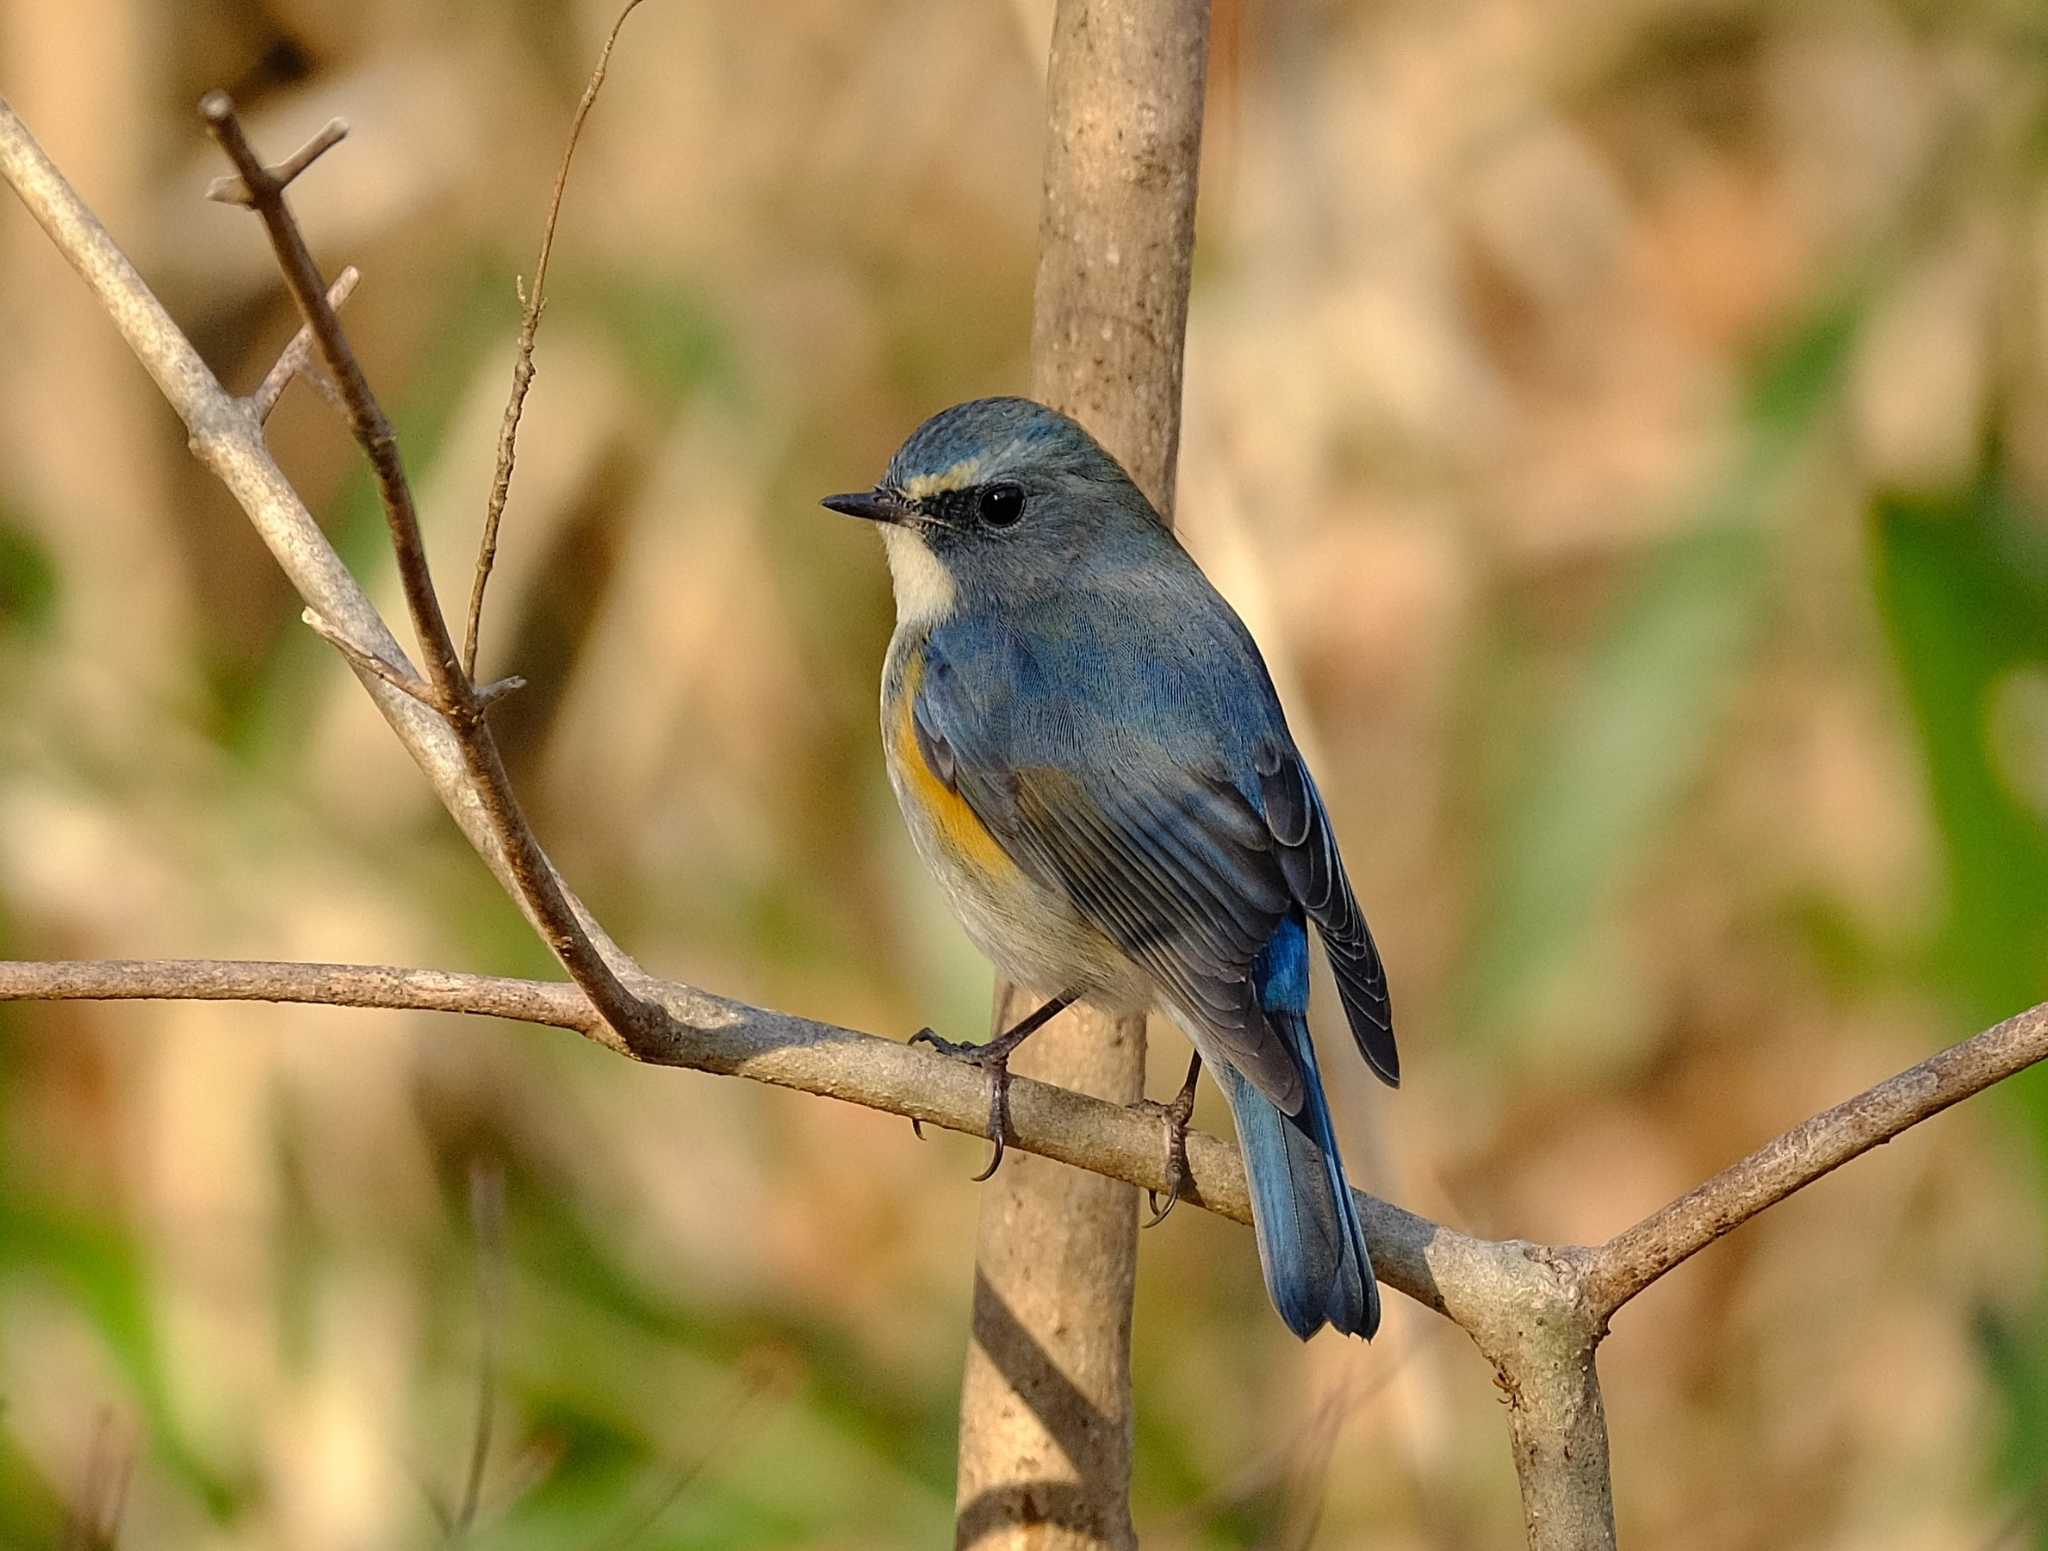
(1311, 1243)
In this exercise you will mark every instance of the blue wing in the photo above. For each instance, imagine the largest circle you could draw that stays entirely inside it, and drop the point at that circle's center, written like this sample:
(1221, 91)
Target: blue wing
(1188, 871)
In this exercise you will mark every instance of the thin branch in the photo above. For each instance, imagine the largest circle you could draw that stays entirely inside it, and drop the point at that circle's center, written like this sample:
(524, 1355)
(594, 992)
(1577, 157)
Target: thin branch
(522, 366)
(554, 1003)
(712, 1034)
(299, 353)
(366, 416)
(533, 879)
(236, 189)
(1637, 1256)
(404, 680)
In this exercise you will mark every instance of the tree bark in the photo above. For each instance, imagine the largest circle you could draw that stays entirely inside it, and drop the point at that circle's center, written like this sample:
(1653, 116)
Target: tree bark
(1045, 1417)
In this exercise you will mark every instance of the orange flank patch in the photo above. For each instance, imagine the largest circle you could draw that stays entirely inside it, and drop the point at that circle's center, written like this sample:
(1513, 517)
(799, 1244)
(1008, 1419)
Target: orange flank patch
(964, 833)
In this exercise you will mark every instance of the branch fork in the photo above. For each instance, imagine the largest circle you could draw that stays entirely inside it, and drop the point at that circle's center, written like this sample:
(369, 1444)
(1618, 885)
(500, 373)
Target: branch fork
(248, 190)
(297, 359)
(447, 686)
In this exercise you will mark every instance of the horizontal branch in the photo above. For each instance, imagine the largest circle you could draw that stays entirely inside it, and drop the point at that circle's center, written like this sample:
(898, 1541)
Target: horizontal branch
(712, 1034)
(557, 1004)
(1471, 1280)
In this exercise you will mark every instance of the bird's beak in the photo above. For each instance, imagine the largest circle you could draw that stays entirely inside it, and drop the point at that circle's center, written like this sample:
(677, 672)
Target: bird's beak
(874, 505)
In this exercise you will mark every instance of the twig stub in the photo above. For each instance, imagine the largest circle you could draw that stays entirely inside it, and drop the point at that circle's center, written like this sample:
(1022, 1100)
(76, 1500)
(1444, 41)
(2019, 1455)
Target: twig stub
(237, 188)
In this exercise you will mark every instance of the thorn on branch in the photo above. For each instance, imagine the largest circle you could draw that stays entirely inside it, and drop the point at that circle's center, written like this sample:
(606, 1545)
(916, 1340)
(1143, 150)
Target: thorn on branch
(238, 188)
(498, 689)
(400, 679)
(297, 359)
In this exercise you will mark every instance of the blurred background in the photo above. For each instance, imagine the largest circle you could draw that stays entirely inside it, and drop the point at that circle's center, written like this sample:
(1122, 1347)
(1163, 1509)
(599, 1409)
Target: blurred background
(1625, 427)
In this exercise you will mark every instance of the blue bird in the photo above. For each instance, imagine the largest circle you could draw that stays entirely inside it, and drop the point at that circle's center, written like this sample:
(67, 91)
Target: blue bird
(1092, 761)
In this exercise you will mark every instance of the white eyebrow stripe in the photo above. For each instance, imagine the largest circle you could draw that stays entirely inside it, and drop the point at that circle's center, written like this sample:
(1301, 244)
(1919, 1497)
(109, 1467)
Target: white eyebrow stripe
(959, 477)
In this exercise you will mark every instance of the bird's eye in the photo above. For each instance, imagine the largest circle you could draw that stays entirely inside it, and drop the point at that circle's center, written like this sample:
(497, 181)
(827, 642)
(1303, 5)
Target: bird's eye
(1001, 505)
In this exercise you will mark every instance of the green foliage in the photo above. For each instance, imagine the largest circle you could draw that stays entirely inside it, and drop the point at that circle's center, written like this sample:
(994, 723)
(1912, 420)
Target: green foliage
(28, 583)
(1962, 579)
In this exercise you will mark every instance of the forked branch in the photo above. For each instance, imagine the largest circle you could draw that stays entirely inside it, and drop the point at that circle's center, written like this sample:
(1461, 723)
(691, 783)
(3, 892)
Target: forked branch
(298, 355)
(453, 693)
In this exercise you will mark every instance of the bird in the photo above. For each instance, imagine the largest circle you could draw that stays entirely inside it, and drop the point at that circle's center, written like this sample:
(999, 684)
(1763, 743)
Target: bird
(1092, 761)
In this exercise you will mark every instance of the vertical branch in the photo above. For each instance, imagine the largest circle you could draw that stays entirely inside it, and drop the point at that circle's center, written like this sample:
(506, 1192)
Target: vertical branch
(1557, 1426)
(1045, 1423)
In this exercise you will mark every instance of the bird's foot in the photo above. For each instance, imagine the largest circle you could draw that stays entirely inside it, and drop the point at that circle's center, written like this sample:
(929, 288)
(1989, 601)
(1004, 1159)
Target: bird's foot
(995, 1058)
(1178, 1113)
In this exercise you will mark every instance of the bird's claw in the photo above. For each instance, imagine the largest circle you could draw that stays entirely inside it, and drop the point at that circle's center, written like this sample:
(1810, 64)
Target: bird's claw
(1178, 1115)
(923, 1034)
(997, 1063)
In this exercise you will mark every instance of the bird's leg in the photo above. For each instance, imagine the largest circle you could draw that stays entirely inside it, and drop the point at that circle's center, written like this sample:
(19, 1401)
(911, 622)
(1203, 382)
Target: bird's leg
(995, 1055)
(1178, 1114)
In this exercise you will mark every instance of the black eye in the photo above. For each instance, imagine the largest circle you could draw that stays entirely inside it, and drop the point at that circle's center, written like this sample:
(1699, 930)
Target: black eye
(1001, 505)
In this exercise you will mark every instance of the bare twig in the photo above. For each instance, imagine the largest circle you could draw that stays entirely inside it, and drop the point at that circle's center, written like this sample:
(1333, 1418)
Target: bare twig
(1636, 1257)
(299, 353)
(372, 430)
(554, 1003)
(93, 1522)
(533, 879)
(522, 367)
(487, 1211)
(236, 189)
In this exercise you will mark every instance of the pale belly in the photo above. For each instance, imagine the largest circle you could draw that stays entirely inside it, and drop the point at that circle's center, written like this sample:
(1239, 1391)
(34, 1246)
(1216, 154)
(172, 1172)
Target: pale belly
(1032, 934)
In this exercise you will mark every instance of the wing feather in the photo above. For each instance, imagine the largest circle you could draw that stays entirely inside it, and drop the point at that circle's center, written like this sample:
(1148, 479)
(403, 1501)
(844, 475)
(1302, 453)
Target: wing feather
(1315, 872)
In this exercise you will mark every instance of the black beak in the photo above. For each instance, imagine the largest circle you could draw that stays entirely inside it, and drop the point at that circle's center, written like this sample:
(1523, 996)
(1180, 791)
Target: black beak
(874, 505)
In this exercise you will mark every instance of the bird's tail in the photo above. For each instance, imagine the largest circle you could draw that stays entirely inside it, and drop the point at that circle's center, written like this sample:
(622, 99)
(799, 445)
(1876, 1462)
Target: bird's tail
(1311, 1244)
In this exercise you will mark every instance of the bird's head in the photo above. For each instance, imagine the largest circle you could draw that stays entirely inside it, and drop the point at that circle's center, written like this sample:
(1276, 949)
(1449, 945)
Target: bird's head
(998, 499)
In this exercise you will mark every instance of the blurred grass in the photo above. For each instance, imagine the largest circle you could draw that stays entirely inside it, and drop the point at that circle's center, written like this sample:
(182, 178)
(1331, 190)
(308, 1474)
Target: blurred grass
(1594, 790)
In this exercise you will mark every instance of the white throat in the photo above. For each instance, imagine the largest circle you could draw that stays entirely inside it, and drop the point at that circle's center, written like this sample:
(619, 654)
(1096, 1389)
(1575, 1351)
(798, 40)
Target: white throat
(925, 593)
